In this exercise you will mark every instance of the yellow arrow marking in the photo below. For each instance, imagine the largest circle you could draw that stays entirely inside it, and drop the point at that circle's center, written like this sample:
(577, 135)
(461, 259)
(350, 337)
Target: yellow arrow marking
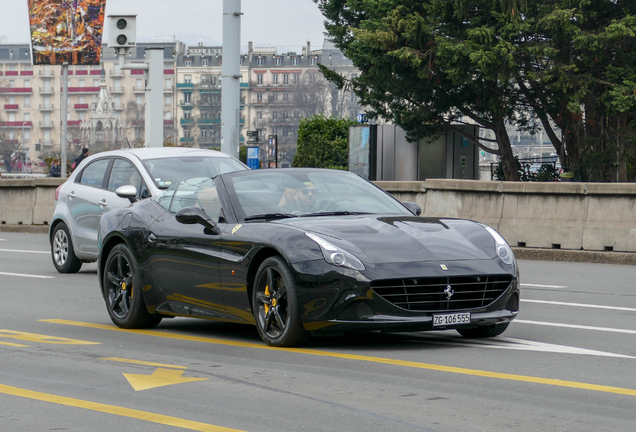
(13, 345)
(161, 377)
(32, 337)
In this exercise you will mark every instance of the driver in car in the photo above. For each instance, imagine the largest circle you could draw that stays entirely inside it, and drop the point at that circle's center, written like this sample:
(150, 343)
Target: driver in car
(302, 199)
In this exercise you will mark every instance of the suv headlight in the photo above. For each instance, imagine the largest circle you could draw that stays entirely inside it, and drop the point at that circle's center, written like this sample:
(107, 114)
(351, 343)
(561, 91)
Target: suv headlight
(335, 255)
(503, 250)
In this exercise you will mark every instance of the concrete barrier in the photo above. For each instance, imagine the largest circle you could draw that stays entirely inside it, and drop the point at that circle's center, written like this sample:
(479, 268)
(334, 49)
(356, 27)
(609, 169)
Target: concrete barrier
(571, 216)
(27, 201)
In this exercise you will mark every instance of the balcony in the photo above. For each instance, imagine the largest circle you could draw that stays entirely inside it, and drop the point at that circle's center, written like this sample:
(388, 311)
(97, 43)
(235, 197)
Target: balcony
(186, 139)
(16, 90)
(116, 90)
(16, 124)
(11, 107)
(185, 86)
(11, 73)
(47, 124)
(26, 73)
(46, 107)
(139, 89)
(72, 123)
(80, 106)
(46, 74)
(186, 121)
(47, 90)
(115, 73)
(119, 107)
(83, 90)
(168, 122)
(48, 143)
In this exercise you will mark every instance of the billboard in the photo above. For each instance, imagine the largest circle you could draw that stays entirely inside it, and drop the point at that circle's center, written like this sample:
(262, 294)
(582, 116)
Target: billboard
(66, 31)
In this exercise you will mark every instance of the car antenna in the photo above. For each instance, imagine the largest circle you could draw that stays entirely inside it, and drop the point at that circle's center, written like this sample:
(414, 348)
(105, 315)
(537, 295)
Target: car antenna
(127, 142)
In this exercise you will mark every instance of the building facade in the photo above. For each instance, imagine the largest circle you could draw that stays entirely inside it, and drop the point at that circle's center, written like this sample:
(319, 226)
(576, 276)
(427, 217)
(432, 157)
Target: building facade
(277, 90)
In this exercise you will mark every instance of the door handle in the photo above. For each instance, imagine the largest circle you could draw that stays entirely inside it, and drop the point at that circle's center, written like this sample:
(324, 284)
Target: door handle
(103, 203)
(71, 194)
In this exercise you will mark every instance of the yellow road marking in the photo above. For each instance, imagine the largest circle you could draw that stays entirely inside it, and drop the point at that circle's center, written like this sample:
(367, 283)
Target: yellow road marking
(38, 338)
(159, 378)
(417, 365)
(140, 362)
(14, 345)
(116, 410)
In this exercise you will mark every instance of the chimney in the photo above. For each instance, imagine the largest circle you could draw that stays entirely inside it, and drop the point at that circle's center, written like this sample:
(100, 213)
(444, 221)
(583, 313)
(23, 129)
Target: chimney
(250, 51)
(308, 48)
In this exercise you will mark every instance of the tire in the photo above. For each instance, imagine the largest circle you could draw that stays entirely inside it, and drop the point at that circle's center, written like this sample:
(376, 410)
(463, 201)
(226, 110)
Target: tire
(62, 252)
(122, 291)
(483, 331)
(275, 305)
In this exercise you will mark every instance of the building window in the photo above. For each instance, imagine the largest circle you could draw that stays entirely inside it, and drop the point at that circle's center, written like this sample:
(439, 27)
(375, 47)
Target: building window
(187, 98)
(204, 62)
(167, 115)
(277, 61)
(285, 96)
(275, 114)
(313, 60)
(285, 78)
(139, 85)
(167, 100)
(187, 79)
(187, 114)
(275, 78)
(82, 99)
(27, 117)
(168, 82)
(259, 79)
(259, 115)
(188, 62)
(27, 83)
(295, 79)
(259, 61)
(294, 61)
(259, 97)
(95, 83)
(27, 136)
(139, 100)
(27, 101)
(82, 83)
(275, 97)
(186, 133)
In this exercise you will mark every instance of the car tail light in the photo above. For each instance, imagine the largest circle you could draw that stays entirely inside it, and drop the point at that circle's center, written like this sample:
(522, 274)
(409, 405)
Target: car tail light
(57, 192)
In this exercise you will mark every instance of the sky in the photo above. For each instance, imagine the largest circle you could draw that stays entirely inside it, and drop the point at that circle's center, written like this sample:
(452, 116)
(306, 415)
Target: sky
(286, 24)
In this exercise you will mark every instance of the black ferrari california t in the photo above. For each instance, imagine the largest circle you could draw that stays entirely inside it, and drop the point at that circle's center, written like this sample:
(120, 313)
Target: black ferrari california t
(298, 252)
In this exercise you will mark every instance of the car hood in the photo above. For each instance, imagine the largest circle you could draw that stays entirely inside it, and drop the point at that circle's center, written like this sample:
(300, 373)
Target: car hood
(377, 239)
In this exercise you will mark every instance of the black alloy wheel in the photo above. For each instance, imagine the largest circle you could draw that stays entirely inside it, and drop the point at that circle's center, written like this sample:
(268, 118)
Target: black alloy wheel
(483, 331)
(122, 291)
(275, 305)
(62, 252)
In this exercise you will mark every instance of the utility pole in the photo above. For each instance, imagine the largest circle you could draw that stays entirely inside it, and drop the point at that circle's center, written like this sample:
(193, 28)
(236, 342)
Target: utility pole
(231, 87)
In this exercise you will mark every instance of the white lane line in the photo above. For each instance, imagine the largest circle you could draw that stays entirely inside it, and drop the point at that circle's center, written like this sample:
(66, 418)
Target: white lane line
(542, 286)
(3, 239)
(526, 345)
(581, 305)
(24, 251)
(27, 275)
(574, 326)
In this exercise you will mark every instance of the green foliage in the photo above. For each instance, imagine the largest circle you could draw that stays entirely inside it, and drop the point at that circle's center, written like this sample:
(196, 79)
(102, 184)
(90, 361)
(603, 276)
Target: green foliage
(243, 154)
(323, 143)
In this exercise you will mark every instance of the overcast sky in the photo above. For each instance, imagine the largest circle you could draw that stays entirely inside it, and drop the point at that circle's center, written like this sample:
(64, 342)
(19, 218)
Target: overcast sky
(287, 24)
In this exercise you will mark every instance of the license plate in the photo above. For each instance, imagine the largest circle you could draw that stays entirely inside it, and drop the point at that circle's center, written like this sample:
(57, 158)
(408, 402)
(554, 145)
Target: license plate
(451, 319)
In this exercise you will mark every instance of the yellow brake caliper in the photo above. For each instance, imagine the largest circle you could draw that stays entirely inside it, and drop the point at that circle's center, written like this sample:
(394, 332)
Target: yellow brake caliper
(267, 294)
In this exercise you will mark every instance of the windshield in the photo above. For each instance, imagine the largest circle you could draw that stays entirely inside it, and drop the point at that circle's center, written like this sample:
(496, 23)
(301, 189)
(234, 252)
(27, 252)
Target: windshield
(270, 194)
(169, 171)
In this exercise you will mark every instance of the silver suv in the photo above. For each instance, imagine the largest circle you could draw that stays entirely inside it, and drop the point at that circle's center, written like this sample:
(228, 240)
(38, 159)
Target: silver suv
(90, 192)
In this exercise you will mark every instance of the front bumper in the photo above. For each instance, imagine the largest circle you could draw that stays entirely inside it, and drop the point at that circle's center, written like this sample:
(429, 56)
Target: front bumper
(335, 299)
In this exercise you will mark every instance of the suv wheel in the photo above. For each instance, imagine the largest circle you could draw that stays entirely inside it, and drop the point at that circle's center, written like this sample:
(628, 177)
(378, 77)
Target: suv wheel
(62, 252)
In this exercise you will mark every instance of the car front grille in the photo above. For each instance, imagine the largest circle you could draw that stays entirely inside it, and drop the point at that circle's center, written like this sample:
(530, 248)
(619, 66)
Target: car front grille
(428, 294)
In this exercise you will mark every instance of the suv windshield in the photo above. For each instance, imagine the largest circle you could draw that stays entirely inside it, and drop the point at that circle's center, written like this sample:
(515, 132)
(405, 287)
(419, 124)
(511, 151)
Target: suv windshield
(169, 171)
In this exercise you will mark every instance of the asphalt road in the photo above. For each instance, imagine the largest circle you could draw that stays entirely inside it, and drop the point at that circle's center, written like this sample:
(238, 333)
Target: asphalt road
(567, 364)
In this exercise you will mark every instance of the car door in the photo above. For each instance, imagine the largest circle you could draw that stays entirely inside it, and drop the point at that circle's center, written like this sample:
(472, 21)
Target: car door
(84, 199)
(185, 258)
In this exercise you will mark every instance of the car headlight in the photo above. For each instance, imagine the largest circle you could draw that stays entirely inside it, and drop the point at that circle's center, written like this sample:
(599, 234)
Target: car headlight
(335, 255)
(503, 250)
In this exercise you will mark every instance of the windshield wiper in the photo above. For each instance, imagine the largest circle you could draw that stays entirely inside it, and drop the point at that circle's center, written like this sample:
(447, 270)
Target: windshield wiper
(270, 216)
(333, 213)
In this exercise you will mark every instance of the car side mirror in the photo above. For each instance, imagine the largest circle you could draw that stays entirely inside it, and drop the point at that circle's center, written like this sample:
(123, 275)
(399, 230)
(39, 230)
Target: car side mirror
(413, 207)
(195, 215)
(128, 191)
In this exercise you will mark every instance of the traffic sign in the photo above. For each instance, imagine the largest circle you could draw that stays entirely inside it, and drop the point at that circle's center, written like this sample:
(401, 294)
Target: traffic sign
(252, 141)
(252, 133)
(362, 118)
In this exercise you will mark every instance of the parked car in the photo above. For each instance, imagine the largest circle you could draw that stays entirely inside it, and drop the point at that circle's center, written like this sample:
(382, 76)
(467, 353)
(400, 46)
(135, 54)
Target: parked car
(299, 251)
(90, 192)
